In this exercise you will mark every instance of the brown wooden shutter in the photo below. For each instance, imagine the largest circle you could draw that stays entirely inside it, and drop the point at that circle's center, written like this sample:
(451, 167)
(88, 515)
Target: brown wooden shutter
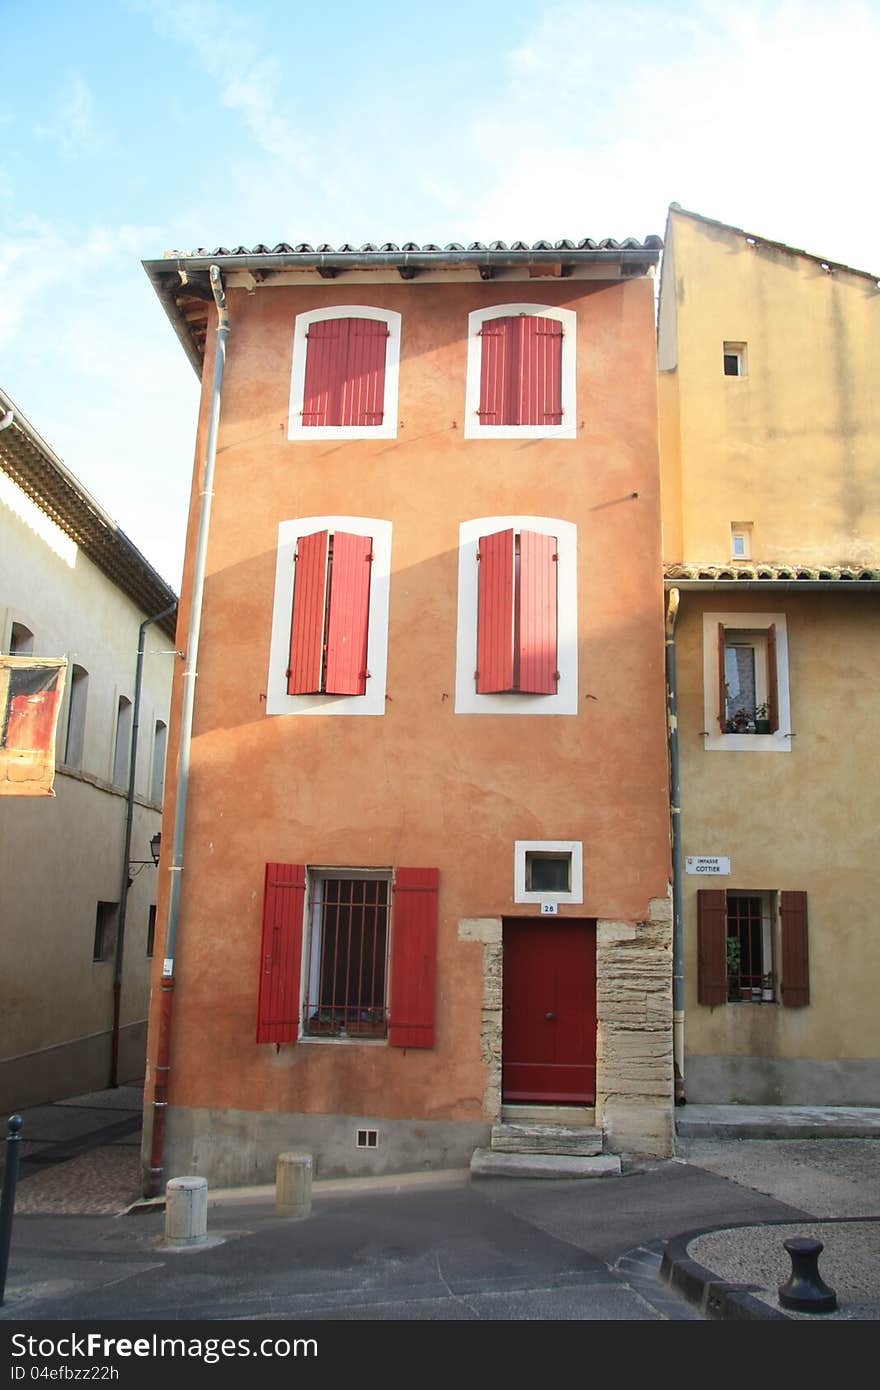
(538, 565)
(722, 681)
(307, 621)
(795, 983)
(326, 352)
(413, 958)
(495, 615)
(772, 680)
(497, 360)
(281, 953)
(362, 396)
(711, 946)
(349, 614)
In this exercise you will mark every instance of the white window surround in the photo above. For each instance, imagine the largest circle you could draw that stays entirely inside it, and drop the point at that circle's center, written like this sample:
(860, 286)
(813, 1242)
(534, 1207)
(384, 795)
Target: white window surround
(565, 701)
(574, 848)
(388, 428)
(714, 740)
(373, 702)
(567, 427)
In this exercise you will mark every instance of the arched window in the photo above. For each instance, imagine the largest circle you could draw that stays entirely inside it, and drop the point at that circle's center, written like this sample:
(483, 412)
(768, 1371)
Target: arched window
(160, 743)
(76, 716)
(123, 742)
(21, 640)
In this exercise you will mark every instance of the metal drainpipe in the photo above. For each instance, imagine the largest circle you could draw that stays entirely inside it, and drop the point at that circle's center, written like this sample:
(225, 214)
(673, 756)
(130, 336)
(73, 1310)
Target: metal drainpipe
(155, 1172)
(675, 829)
(124, 880)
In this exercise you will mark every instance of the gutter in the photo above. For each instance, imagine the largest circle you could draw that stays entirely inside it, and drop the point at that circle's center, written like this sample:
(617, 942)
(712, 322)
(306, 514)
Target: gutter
(794, 586)
(677, 857)
(154, 1175)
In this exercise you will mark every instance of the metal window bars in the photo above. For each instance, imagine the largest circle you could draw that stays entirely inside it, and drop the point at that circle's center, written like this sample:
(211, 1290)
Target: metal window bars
(347, 958)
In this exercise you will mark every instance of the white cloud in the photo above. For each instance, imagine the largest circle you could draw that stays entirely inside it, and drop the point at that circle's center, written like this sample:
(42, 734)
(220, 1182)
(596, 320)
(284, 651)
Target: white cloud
(76, 129)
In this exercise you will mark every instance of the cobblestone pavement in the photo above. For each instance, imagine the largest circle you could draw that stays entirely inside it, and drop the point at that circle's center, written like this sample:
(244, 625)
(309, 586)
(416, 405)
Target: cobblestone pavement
(81, 1156)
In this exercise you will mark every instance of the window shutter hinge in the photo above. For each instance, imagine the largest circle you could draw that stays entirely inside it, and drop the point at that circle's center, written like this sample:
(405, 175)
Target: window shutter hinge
(557, 675)
(364, 675)
(555, 558)
(288, 673)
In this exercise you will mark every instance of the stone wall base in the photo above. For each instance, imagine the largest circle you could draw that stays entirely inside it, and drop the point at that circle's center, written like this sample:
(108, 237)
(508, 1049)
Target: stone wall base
(240, 1148)
(782, 1080)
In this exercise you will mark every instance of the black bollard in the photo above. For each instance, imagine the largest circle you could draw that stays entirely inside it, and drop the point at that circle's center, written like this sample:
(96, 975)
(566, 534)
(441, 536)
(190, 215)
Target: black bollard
(804, 1291)
(7, 1201)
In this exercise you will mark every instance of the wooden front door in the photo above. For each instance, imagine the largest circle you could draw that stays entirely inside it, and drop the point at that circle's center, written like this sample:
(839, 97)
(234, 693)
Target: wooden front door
(549, 1030)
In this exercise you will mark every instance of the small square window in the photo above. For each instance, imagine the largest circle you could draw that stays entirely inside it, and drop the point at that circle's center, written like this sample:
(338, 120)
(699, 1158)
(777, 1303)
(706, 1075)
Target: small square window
(548, 873)
(741, 540)
(548, 869)
(735, 359)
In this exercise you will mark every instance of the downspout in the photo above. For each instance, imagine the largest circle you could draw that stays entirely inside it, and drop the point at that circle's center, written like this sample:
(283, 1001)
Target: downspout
(124, 880)
(675, 833)
(155, 1173)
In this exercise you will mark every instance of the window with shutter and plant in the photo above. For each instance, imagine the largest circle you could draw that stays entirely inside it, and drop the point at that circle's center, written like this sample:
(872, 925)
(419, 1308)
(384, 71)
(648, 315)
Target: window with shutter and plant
(344, 373)
(752, 947)
(369, 941)
(746, 673)
(521, 372)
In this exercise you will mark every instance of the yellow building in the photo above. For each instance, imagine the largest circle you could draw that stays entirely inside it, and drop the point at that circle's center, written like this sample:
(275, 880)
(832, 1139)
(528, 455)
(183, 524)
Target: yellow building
(770, 441)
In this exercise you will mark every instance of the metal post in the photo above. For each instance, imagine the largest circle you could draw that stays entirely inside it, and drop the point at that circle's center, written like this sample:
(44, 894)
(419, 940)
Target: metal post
(7, 1202)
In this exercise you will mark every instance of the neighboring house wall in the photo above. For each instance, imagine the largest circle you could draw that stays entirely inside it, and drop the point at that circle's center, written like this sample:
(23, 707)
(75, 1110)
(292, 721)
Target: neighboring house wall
(423, 784)
(61, 856)
(789, 451)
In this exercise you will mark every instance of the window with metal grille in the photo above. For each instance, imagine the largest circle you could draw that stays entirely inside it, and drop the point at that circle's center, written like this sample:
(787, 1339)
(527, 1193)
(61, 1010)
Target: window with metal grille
(750, 974)
(348, 955)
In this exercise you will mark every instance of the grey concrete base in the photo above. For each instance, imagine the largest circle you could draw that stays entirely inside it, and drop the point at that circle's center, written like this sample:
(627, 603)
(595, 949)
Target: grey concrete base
(487, 1163)
(545, 1139)
(782, 1081)
(777, 1122)
(240, 1148)
(70, 1068)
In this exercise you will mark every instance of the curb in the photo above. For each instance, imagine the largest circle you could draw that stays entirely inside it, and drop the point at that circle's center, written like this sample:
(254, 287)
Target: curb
(716, 1298)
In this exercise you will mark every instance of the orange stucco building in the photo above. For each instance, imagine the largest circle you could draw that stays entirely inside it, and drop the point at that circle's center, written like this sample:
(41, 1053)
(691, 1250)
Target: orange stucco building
(422, 877)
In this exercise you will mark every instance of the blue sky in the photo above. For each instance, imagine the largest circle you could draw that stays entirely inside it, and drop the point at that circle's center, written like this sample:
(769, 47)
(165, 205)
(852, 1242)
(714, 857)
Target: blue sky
(130, 127)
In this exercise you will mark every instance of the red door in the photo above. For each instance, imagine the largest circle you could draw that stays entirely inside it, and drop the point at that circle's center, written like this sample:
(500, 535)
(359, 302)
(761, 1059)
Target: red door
(549, 1040)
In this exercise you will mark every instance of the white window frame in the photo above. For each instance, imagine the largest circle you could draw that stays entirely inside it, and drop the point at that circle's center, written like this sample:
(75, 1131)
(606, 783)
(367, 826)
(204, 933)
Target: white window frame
(311, 958)
(388, 428)
(741, 531)
(565, 701)
(567, 426)
(278, 701)
(573, 848)
(714, 740)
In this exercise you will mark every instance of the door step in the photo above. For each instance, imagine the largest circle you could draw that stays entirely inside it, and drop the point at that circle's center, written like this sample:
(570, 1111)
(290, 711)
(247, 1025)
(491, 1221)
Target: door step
(546, 1139)
(570, 1116)
(489, 1163)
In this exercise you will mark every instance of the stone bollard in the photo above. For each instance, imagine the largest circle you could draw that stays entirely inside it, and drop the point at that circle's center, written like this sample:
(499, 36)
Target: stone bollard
(805, 1291)
(186, 1211)
(293, 1185)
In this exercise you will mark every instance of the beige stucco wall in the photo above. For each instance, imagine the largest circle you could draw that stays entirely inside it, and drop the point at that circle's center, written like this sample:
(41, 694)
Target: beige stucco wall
(791, 447)
(801, 820)
(60, 856)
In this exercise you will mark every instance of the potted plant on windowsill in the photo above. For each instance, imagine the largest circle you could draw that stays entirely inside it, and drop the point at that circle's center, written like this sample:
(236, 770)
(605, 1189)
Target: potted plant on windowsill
(762, 719)
(734, 958)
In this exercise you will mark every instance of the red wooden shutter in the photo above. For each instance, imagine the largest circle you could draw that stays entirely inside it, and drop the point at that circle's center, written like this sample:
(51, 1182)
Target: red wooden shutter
(497, 362)
(539, 387)
(281, 953)
(307, 623)
(795, 988)
(349, 614)
(711, 946)
(413, 958)
(326, 350)
(722, 681)
(495, 613)
(363, 393)
(538, 564)
(772, 680)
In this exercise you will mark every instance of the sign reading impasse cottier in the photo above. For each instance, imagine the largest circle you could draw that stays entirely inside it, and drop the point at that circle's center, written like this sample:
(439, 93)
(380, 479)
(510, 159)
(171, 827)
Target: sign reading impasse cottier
(707, 864)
